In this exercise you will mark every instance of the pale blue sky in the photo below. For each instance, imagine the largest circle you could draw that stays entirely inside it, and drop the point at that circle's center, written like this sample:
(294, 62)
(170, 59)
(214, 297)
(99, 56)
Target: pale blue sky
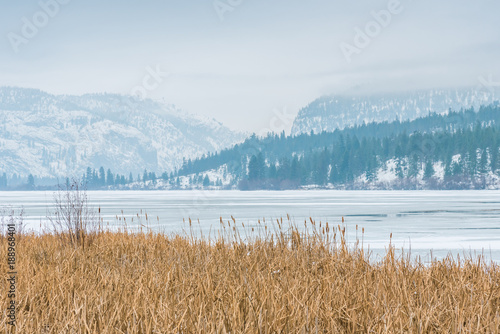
(264, 55)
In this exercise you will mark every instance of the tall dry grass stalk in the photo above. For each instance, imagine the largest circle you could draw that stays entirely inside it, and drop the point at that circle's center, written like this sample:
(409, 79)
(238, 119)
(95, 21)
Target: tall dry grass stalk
(260, 279)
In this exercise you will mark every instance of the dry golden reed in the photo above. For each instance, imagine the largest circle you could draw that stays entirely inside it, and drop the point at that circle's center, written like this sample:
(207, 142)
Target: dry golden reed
(258, 279)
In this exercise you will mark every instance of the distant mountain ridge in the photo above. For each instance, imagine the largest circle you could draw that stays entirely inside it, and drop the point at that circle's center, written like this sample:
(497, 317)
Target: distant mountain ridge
(60, 135)
(332, 112)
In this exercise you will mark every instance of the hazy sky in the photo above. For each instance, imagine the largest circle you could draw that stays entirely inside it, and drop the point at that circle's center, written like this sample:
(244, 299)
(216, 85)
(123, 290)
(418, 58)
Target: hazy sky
(243, 61)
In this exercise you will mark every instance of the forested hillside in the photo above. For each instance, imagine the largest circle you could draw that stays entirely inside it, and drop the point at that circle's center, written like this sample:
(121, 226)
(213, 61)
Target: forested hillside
(329, 113)
(458, 150)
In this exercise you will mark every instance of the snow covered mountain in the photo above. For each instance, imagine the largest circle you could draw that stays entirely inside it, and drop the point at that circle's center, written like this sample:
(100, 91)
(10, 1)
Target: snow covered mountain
(50, 136)
(337, 112)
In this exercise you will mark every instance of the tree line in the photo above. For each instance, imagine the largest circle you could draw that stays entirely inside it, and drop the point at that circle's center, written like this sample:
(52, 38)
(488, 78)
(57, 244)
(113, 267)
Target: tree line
(464, 142)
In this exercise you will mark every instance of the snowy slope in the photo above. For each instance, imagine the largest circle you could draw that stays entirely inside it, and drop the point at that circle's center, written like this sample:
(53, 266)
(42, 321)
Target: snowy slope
(49, 135)
(337, 112)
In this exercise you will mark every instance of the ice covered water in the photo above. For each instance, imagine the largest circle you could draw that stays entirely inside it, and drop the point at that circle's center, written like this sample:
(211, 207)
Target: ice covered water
(441, 221)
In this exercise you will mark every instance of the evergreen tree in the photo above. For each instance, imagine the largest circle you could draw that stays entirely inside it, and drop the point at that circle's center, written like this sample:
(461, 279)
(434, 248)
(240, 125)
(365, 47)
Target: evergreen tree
(261, 166)
(483, 162)
(472, 161)
(3, 181)
(110, 179)
(253, 169)
(31, 182)
(429, 170)
(272, 173)
(448, 171)
(345, 167)
(413, 166)
(371, 168)
(152, 177)
(334, 175)
(89, 177)
(494, 158)
(322, 165)
(283, 171)
(206, 181)
(295, 170)
(457, 168)
(400, 168)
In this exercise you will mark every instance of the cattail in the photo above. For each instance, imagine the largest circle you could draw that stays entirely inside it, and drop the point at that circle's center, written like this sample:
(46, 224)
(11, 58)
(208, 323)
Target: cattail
(226, 283)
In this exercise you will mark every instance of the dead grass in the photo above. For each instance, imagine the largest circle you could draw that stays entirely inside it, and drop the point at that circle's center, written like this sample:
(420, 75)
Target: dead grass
(270, 280)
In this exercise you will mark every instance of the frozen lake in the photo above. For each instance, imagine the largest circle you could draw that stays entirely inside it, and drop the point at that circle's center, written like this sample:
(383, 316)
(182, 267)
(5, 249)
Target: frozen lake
(441, 221)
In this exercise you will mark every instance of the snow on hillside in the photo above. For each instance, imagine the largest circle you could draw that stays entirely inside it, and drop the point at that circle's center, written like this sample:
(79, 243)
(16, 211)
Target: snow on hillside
(387, 178)
(58, 136)
(337, 112)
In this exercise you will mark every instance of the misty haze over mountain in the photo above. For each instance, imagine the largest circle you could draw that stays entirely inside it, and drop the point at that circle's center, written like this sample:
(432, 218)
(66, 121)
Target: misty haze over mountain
(240, 63)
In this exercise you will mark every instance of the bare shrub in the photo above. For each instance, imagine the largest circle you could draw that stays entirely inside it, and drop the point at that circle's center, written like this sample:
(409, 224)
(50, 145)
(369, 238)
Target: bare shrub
(73, 219)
